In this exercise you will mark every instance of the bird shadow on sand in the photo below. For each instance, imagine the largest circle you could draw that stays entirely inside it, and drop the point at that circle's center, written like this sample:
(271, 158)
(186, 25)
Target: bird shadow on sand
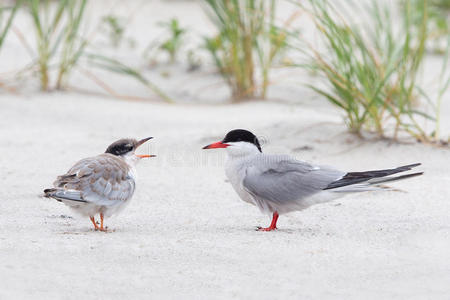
(306, 232)
(64, 223)
(253, 230)
(77, 231)
(59, 217)
(84, 230)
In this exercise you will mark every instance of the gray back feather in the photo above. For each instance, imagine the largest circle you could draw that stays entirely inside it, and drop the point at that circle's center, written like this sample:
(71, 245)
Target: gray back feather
(282, 179)
(102, 180)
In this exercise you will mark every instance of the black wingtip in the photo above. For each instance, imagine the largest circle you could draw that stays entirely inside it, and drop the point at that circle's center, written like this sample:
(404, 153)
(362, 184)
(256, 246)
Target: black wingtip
(47, 192)
(397, 178)
(409, 167)
(358, 177)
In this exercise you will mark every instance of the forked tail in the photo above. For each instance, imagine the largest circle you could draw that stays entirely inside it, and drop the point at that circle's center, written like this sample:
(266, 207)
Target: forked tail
(62, 195)
(368, 180)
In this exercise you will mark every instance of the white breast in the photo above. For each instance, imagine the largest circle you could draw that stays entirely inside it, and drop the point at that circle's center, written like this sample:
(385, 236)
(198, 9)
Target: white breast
(235, 169)
(133, 173)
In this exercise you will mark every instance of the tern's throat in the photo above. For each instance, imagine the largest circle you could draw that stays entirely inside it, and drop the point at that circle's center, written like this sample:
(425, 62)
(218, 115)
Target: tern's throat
(242, 149)
(131, 159)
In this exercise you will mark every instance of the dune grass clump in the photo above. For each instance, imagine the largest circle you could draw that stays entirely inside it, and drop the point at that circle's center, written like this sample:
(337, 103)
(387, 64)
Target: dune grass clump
(7, 14)
(438, 12)
(115, 29)
(58, 37)
(371, 70)
(61, 46)
(174, 42)
(246, 45)
(169, 43)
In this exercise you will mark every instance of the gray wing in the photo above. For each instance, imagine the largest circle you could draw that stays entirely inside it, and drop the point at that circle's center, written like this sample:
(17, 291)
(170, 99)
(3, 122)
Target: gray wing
(281, 179)
(102, 180)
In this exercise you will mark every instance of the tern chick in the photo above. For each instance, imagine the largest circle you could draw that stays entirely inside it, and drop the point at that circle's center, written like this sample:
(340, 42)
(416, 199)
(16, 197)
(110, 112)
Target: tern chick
(102, 184)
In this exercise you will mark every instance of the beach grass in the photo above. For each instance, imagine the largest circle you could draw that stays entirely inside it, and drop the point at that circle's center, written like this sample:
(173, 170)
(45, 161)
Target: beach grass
(246, 45)
(57, 30)
(371, 70)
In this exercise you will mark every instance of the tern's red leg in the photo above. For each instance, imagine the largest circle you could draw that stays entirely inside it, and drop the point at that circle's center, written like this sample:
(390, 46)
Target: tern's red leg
(93, 222)
(101, 223)
(273, 225)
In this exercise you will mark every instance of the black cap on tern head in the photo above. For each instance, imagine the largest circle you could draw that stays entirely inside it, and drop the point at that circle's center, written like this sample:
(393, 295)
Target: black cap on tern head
(124, 146)
(121, 147)
(241, 135)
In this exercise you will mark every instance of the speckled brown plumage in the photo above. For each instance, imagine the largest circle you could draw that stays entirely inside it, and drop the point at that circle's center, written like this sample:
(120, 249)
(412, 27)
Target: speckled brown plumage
(100, 184)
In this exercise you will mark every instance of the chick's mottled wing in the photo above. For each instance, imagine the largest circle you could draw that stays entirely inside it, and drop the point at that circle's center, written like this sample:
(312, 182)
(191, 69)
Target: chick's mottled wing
(282, 179)
(103, 180)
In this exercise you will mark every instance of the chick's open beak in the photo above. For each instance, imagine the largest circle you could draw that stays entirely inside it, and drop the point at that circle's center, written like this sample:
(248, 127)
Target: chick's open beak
(143, 141)
(139, 143)
(145, 155)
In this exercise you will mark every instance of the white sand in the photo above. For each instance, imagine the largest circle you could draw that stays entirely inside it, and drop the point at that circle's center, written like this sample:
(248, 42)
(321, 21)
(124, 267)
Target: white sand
(186, 234)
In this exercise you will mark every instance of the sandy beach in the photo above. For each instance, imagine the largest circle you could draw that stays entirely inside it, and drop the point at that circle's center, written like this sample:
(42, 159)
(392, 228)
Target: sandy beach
(186, 234)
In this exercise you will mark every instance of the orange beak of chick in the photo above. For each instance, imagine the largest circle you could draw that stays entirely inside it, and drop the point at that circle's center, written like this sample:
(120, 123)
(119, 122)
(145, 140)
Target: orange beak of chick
(139, 143)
